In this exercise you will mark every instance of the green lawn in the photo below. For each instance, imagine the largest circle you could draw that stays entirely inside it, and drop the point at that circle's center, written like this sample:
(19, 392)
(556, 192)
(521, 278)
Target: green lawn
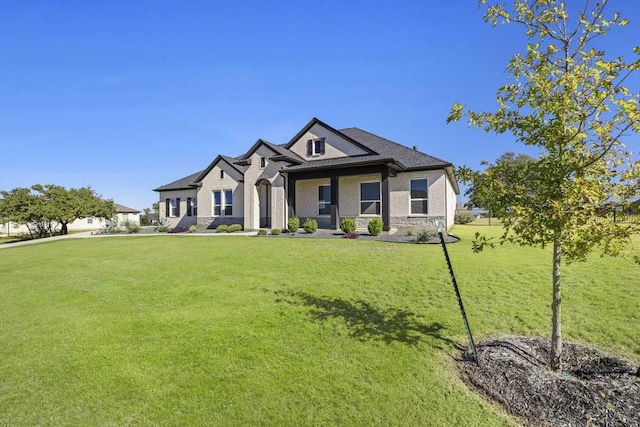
(193, 330)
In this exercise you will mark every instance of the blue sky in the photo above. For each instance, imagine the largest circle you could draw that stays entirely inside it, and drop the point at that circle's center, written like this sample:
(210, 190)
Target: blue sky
(125, 96)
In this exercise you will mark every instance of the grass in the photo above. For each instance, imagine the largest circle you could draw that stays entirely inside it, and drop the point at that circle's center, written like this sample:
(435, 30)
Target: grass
(190, 330)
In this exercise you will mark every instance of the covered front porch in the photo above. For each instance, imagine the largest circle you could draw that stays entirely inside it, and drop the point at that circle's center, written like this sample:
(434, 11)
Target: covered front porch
(361, 192)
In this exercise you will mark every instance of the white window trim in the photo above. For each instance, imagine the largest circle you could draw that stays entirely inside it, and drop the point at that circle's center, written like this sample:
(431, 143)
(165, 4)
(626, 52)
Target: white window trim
(360, 199)
(419, 215)
(223, 202)
(173, 207)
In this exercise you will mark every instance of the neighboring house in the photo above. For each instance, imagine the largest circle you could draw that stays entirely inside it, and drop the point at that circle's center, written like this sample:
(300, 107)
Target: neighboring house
(321, 173)
(123, 214)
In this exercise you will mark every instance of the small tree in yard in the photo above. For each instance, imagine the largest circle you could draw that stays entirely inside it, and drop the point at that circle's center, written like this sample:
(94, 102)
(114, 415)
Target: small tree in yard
(568, 99)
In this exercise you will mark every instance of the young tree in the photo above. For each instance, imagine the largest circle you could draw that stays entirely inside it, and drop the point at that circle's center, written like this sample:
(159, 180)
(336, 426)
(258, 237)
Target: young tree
(569, 99)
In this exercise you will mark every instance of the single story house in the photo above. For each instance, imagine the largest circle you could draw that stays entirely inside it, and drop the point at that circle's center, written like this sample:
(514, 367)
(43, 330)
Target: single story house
(321, 173)
(124, 215)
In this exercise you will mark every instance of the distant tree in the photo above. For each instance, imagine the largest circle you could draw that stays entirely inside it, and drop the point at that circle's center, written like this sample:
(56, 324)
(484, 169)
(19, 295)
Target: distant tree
(486, 189)
(145, 219)
(568, 99)
(42, 207)
(156, 211)
(19, 206)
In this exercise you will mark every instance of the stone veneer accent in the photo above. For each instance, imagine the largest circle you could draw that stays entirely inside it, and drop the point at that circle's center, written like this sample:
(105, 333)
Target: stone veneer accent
(213, 222)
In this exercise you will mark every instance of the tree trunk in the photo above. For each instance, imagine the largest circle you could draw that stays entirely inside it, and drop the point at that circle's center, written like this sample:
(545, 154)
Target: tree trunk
(555, 361)
(63, 229)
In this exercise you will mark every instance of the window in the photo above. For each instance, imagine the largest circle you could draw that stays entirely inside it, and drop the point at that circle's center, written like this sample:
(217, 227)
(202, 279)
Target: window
(192, 206)
(315, 147)
(125, 217)
(89, 220)
(324, 200)
(370, 198)
(223, 206)
(221, 174)
(419, 198)
(228, 202)
(263, 162)
(172, 207)
(217, 203)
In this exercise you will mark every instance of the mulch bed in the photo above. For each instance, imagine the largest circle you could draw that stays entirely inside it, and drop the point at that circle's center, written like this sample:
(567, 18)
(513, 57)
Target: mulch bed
(594, 389)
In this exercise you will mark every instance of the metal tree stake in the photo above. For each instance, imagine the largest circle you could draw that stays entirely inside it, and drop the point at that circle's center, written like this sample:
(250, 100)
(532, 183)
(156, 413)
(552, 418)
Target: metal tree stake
(455, 287)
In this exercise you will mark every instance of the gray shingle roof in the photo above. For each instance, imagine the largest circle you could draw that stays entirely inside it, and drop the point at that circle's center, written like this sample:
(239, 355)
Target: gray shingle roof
(386, 151)
(124, 209)
(182, 184)
(383, 151)
(409, 158)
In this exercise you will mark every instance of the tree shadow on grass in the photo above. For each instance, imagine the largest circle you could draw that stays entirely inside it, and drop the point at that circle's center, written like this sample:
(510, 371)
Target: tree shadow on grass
(366, 322)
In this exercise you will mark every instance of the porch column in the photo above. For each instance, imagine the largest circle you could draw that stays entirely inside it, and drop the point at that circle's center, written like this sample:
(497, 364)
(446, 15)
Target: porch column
(335, 216)
(291, 197)
(386, 200)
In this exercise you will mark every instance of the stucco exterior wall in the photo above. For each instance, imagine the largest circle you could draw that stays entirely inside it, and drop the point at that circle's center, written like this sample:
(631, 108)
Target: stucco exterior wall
(335, 146)
(452, 200)
(307, 201)
(438, 195)
(182, 220)
(252, 201)
(212, 182)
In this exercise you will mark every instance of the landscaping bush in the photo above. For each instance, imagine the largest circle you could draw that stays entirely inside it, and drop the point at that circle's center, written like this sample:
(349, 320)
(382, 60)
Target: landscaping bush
(293, 224)
(178, 230)
(133, 228)
(275, 231)
(223, 228)
(310, 225)
(425, 235)
(163, 229)
(193, 228)
(262, 232)
(235, 227)
(375, 226)
(348, 225)
(463, 217)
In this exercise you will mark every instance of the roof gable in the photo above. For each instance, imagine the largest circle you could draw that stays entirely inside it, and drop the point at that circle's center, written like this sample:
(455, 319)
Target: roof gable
(230, 161)
(336, 144)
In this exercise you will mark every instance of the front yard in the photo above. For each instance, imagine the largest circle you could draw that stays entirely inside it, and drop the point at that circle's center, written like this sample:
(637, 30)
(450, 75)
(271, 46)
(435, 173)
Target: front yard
(254, 331)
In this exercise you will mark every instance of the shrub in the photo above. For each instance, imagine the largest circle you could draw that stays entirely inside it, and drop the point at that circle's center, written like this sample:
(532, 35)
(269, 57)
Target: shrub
(352, 235)
(348, 225)
(409, 233)
(262, 232)
(223, 228)
(234, 227)
(293, 224)
(163, 229)
(425, 235)
(463, 217)
(178, 230)
(275, 231)
(310, 225)
(375, 226)
(133, 228)
(193, 228)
